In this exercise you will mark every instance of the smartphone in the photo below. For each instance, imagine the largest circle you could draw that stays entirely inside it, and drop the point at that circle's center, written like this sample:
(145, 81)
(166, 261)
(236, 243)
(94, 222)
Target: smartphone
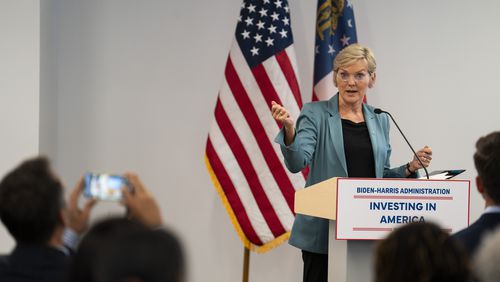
(104, 187)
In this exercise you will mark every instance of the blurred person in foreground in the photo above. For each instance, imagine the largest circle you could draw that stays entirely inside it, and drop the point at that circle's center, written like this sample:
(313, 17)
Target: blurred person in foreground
(119, 249)
(420, 252)
(487, 163)
(341, 137)
(487, 258)
(137, 248)
(45, 227)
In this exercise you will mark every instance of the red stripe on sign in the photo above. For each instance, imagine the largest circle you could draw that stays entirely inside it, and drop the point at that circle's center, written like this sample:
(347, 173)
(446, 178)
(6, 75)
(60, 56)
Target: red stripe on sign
(288, 71)
(232, 195)
(371, 229)
(403, 197)
(273, 162)
(241, 156)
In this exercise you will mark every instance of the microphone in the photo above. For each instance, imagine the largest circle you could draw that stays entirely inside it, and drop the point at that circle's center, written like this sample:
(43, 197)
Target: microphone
(379, 111)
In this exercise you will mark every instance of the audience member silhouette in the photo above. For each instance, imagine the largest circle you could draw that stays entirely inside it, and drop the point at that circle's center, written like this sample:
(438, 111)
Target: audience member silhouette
(487, 258)
(33, 210)
(487, 162)
(118, 249)
(420, 252)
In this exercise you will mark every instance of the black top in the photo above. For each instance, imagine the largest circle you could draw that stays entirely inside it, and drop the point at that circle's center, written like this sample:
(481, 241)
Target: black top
(358, 149)
(28, 263)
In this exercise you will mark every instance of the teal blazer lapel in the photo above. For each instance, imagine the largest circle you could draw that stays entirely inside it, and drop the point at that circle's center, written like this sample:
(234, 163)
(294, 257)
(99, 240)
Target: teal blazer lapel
(336, 128)
(374, 138)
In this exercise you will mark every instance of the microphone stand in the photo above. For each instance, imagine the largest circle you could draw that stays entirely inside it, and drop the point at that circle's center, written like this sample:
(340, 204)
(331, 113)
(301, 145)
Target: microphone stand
(378, 111)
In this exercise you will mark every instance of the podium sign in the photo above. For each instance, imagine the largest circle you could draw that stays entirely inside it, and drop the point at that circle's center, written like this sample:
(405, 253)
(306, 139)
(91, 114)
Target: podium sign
(368, 209)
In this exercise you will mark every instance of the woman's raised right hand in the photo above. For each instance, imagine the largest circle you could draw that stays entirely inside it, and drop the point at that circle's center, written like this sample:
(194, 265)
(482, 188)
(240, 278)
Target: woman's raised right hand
(282, 115)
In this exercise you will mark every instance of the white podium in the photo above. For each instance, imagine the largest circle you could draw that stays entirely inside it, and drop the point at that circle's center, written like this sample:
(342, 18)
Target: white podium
(364, 210)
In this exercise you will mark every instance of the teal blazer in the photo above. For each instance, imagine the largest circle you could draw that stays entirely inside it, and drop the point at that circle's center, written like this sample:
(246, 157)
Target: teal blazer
(319, 143)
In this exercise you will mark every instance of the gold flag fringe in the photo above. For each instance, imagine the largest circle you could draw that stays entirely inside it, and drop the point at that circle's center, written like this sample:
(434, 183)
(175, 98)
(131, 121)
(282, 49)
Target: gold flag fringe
(259, 249)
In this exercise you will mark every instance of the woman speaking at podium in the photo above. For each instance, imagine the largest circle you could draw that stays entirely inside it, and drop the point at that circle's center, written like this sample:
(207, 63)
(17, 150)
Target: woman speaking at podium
(340, 137)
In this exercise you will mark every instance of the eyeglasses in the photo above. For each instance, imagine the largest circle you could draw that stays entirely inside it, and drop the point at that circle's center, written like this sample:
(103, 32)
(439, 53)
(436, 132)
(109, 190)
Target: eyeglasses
(359, 76)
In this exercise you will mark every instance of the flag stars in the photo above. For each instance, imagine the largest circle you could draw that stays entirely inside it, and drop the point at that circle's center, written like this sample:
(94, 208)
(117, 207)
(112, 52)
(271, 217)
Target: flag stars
(260, 25)
(272, 29)
(245, 34)
(258, 38)
(283, 33)
(330, 49)
(316, 49)
(286, 21)
(249, 21)
(349, 23)
(264, 28)
(269, 41)
(243, 5)
(345, 40)
(255, 51)
(251, 8)
(263, 12)
(275, 16)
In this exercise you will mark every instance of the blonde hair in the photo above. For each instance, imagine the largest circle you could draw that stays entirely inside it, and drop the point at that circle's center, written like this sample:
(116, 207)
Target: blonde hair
(353, 53)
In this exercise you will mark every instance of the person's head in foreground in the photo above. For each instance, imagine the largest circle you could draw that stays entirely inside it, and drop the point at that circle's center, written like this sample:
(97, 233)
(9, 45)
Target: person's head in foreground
(420, 252)
(487, 260)
(32, 203)
(487, 162)
(118, 249)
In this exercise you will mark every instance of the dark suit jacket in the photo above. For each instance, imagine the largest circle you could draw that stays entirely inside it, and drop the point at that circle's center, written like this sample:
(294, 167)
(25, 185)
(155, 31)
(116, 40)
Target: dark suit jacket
(472, 236)
(33, 263)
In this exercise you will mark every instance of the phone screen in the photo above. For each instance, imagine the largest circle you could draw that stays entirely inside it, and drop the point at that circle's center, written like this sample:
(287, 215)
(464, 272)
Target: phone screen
(106, 187)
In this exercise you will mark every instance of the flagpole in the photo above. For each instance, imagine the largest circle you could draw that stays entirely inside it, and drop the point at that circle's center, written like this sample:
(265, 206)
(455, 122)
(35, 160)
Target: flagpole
(246, 263)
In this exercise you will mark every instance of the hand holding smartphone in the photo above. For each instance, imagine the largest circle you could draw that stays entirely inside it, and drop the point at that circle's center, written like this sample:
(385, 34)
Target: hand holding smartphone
(104, 187)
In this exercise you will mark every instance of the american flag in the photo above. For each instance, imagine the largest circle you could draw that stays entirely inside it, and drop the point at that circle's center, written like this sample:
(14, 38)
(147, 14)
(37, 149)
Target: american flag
(245, 165)
(335, 29)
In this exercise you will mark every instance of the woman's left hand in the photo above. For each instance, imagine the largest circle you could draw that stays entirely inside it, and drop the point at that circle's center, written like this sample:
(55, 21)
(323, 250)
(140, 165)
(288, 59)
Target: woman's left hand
(425, 156)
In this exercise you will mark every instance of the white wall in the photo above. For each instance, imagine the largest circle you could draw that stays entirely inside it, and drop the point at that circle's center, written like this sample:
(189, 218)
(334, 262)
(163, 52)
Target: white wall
(131, 85)
(437, 74)
(49, 58)
(19, 87)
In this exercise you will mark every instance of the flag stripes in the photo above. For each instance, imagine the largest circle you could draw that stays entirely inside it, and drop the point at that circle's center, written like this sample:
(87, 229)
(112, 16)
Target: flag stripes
(248, 171)
(262, 105)
(245, 164)
(259, 133)
(229, 191)
(243, 116)
(288, 72)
